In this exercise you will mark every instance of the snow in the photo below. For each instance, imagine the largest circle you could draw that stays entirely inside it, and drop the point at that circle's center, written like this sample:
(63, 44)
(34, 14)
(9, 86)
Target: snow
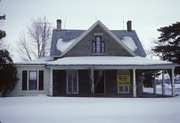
(129, 42)
(97, 60)
(40, 61)
(42, 109)
(62, 46)
(107, 60)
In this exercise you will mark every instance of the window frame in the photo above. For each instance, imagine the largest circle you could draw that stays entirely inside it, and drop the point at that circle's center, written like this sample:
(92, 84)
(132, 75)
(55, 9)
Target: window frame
(28, 80)
(98, 45)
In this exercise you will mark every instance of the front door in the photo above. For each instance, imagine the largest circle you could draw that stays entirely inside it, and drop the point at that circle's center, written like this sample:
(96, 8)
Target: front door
(99, 81)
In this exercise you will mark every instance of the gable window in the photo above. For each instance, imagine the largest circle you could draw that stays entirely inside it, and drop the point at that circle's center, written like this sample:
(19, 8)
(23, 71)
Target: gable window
(72, 82)
(33, 80)
(98, 45)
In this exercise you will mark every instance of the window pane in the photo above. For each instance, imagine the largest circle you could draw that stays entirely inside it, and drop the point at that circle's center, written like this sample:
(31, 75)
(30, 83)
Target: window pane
(32, 80)
(41, 80)
(24, 80)
(98, 40)
(126, 89)
(98, 48)
(94, 47)
(121, 89)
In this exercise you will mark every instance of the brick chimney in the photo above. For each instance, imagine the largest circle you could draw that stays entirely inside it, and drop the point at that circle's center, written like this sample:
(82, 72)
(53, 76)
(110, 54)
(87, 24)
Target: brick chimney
(58, 23)
(129, 26)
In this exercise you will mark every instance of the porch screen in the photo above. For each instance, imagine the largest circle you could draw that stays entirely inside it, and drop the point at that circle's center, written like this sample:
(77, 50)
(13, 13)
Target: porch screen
(72, 82)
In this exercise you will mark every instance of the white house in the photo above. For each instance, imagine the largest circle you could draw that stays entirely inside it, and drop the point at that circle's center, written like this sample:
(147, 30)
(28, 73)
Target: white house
(92, 62)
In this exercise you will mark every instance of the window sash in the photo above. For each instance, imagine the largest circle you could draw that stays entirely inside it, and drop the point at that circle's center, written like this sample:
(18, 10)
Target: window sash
(32, 80)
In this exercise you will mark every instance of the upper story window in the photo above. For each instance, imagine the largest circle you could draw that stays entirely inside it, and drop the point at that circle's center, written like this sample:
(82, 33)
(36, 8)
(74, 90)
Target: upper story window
(98, 45)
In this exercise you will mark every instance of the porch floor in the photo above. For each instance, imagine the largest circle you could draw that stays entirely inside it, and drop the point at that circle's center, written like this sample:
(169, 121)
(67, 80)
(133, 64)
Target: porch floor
(143, 95)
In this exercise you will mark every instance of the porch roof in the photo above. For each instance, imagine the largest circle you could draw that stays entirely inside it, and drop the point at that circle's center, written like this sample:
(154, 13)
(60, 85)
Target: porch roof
(108, 61)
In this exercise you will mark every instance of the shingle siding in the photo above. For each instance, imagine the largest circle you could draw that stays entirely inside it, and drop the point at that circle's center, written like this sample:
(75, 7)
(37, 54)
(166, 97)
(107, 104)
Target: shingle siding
(84, 47)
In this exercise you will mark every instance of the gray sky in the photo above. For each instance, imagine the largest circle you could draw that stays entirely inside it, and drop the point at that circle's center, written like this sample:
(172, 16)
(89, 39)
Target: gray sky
(146, 15)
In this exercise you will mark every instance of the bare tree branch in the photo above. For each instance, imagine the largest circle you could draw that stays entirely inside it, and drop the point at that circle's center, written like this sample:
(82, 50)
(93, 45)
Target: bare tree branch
(37, 42)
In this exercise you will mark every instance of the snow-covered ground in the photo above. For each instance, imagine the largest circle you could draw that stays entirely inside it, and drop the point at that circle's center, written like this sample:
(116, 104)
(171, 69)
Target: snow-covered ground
(43, 109)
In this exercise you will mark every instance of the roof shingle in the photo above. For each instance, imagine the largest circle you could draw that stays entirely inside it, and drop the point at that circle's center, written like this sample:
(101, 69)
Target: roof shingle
(68, 35)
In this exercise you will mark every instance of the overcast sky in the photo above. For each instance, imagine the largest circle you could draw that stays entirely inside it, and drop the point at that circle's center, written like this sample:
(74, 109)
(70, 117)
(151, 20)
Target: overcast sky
(146, 15)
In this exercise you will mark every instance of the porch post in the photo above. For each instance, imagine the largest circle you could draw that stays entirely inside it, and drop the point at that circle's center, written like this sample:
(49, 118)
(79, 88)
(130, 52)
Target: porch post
(134, 83)
(154, 91)
(172, 82)
(163, 85)
(51, 83)
(92, 82)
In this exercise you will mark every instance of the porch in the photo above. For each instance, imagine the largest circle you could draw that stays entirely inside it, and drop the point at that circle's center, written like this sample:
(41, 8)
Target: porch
(103, 83)
(76, 76)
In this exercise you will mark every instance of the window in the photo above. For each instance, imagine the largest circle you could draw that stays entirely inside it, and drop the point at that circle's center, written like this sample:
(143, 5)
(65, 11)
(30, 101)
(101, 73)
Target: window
(98, 45)
(72, 82)
(32, 80)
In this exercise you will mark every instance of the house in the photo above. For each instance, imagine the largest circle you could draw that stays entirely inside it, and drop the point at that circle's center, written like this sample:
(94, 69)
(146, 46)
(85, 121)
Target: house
(93, 62)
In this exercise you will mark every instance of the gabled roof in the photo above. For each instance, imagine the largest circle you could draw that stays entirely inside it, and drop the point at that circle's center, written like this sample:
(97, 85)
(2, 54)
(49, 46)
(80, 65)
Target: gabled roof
(117, 35)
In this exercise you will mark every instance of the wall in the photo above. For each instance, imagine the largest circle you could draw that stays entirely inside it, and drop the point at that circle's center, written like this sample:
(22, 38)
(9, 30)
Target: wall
(18, 89)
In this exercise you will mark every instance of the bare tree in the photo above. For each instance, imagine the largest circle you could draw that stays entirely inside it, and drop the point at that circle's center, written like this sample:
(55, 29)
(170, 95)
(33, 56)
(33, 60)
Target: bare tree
(36, 42)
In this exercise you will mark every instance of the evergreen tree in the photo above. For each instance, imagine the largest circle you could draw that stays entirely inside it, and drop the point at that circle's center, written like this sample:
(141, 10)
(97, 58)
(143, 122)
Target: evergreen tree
(168, 47)
(7, 70)
(7, 73)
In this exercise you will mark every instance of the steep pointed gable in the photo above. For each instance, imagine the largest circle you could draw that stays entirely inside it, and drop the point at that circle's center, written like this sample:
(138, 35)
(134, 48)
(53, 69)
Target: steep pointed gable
(84, 34)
